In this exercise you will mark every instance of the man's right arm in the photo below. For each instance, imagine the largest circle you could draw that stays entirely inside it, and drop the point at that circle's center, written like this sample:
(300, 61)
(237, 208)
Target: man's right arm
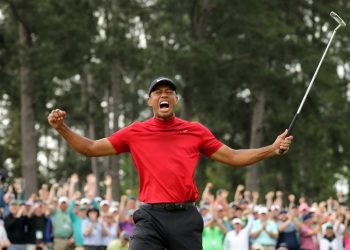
(79, 143)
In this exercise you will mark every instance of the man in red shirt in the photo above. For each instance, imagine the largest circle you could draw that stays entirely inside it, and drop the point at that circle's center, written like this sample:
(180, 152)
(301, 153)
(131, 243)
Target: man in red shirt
(165, 150)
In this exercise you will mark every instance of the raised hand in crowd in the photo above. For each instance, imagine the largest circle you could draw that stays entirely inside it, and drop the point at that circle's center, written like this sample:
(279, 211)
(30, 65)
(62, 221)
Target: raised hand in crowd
(238, 193)
(255, 198)
(74, 179)
(269, 198)
(279, 199)
(247, 196)
(207, 195)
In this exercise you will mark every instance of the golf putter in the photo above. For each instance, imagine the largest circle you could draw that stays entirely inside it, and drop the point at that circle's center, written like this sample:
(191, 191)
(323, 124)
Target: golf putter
(340, 24)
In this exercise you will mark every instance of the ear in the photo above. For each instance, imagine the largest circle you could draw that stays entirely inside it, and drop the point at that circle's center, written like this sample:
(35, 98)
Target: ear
(177, 98)
(149, 101)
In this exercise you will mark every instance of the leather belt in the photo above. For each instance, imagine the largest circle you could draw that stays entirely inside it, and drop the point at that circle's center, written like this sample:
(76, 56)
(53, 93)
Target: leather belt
(169, 206)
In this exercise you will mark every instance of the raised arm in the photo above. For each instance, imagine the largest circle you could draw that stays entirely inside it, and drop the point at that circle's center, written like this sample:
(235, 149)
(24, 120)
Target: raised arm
(245, 157)
(79, 143)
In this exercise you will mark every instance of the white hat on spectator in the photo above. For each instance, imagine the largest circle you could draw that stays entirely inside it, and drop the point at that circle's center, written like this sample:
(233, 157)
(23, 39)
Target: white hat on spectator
(98, 199)
(104, 202)
(313, 210)
(263, 210)
(111, 210)
(85, 201)
(237, 221)
(62, 199)
(275, 207)
(115, 204)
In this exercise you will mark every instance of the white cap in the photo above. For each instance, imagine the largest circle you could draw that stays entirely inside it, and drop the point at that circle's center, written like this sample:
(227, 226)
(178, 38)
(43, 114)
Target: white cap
(98, 199)
(263, 210)
(115, 204)
(62, 199)
(84, 201)
(237, 221)
(313, 210)
(275, 207)
(111, 210)
(104, 202)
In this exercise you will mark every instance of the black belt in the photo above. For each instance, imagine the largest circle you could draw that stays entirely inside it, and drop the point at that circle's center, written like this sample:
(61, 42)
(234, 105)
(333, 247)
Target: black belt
(169, 206)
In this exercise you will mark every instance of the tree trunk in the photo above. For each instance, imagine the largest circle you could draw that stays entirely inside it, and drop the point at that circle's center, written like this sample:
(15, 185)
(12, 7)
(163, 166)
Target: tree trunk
(28, 135)
(107, 160)
(252, 177)
(91, 121)
(116, 96)
(116, 86)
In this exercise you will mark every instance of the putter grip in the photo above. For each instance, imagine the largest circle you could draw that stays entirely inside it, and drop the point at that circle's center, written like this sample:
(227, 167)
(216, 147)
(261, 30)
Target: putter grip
(289, 132)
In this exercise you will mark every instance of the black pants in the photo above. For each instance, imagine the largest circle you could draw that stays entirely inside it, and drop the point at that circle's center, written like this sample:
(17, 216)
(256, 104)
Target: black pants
(159, 229)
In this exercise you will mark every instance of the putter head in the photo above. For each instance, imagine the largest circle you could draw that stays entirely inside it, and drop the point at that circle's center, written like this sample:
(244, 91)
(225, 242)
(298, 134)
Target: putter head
(338, 19)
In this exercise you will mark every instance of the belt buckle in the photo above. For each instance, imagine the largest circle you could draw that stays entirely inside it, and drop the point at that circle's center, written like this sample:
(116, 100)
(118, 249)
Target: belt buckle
(170, 206)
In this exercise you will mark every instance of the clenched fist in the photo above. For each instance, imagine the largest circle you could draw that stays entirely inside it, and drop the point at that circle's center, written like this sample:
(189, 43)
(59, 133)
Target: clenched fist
(56, 118)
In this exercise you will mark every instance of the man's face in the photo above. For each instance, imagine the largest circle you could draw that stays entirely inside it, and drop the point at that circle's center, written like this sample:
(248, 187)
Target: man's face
(237, 227)
(329, 232)
(163, 101)
(263, 217)
(13, 208)
(63, 206)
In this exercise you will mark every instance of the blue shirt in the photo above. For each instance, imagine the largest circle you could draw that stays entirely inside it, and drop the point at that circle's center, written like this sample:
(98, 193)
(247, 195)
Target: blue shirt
(264, 238)
(96, 236)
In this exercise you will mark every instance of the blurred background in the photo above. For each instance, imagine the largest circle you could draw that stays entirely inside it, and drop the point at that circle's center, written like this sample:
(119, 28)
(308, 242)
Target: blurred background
(242, 68)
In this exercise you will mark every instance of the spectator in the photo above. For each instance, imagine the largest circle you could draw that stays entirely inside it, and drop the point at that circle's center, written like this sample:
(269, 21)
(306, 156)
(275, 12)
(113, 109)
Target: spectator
(308, 233)
(36, 226)
(77, 213)
(303, 209)
(4, 241)
(221, 215)
(205, 212)
(120, 244)
(329, 241)
(239, 237)
(62, 225)
(93, 231)
(111, 225)
(15, 224)
(104, 207)
(126, 221)
(288, 227)
(335, 220)
(264, 232)
(347, 231)
(213, 233)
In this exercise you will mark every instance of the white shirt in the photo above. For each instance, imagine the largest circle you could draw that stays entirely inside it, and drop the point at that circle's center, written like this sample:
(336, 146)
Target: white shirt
(339, 235)
(329, 245)
(239, 241)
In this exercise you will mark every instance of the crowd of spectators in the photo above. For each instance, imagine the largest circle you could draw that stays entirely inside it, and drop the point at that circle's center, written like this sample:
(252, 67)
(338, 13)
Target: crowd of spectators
(246, 224)
(60, 217)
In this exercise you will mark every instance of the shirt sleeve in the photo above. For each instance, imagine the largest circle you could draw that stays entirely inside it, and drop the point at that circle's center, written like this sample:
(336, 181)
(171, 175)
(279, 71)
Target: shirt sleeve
(210, 144)
(119, 140)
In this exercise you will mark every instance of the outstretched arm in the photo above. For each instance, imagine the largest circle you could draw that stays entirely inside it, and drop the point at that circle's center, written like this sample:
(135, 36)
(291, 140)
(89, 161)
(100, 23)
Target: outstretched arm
(79, 143)
(245, 157)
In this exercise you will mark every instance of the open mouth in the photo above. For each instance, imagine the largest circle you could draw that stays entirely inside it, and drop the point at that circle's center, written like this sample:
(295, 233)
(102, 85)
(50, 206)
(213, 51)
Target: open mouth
(164, 105)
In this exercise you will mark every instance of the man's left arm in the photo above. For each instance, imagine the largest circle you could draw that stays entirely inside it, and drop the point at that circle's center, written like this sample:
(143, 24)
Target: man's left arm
(245, 157)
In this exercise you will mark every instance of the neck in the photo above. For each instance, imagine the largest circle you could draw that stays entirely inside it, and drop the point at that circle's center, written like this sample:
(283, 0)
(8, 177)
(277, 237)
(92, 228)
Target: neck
(164, 118)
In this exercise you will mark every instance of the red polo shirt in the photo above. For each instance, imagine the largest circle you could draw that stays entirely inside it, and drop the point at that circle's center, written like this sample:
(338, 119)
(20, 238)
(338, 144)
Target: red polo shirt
(165, 154)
